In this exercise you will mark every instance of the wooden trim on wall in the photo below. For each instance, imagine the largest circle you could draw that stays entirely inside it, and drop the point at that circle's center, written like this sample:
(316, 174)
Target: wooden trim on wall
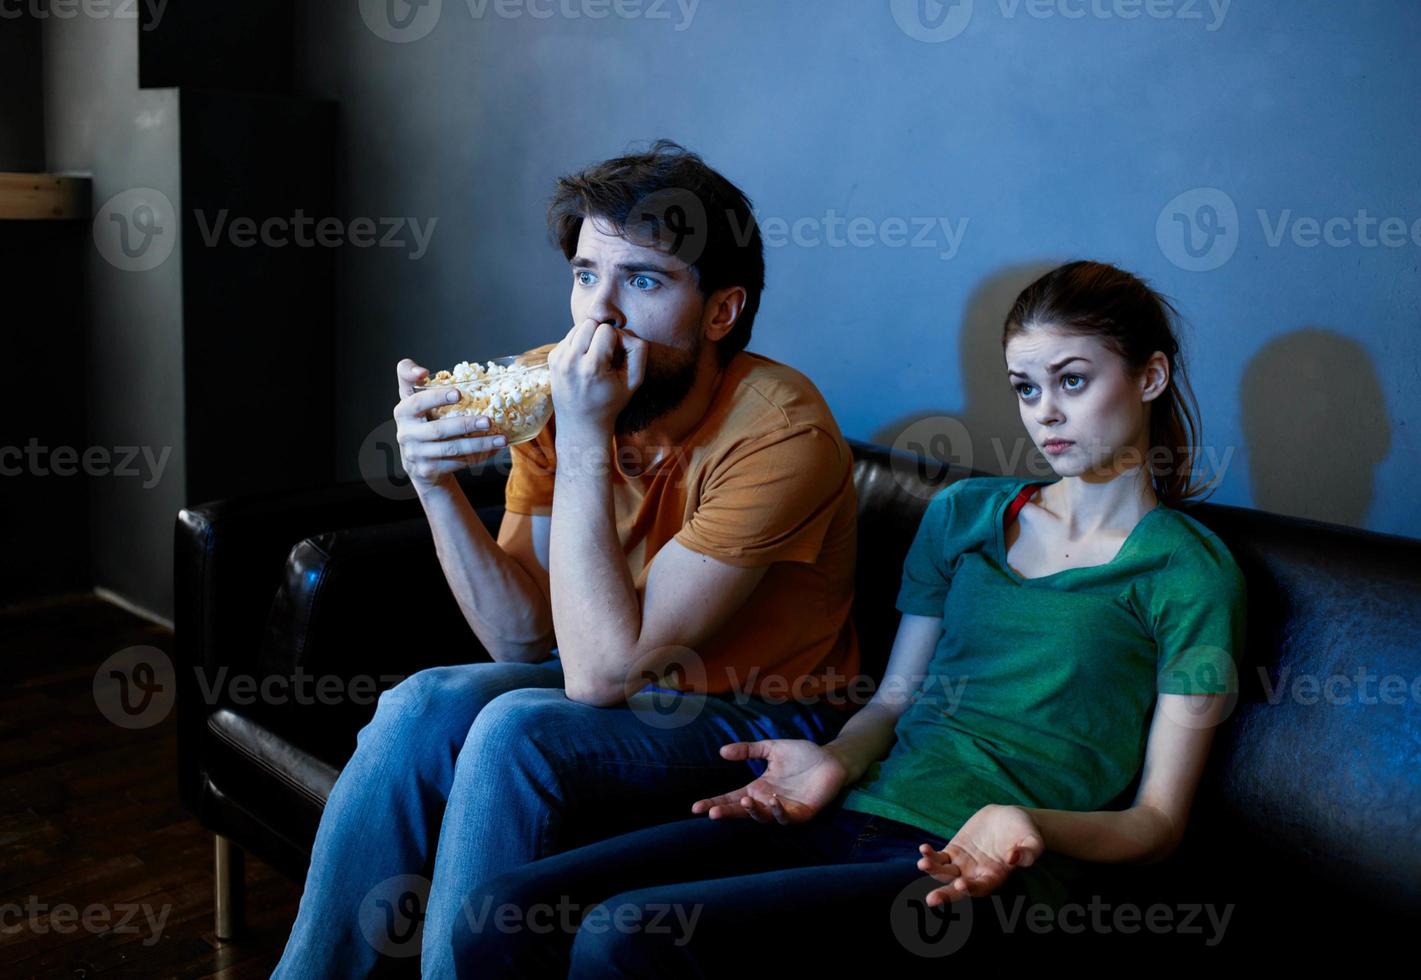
(43, 197)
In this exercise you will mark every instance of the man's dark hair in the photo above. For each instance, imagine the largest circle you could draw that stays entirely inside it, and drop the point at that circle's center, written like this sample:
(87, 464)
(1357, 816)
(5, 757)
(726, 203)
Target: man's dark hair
(659, 198)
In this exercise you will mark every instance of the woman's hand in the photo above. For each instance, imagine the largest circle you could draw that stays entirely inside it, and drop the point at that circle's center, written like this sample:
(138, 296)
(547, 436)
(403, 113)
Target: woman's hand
(991, 844)
(433, 450)
(800, 779)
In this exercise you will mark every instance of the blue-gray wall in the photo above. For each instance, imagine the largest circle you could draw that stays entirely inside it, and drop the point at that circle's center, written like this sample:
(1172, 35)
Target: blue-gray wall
(1042, 131)
(97, 122)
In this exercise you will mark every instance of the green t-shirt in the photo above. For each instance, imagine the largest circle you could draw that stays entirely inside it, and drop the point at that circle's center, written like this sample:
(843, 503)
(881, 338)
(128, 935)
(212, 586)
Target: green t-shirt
(1040, 691)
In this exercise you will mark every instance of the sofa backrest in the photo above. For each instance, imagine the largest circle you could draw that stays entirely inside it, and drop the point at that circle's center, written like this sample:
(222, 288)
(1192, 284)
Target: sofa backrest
(893, 491)
(1320, 758)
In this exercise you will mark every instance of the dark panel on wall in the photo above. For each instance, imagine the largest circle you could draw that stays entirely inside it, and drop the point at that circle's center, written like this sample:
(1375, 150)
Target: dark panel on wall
(218, 44)
(257, 307)
(21, 94)
(44, 494)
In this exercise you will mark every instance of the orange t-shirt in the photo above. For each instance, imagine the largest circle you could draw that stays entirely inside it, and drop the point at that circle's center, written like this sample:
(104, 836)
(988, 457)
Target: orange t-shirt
(765, 478)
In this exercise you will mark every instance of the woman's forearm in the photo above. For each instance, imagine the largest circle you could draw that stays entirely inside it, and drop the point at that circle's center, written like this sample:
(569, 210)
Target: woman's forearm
(865, 738)
(1141, 834)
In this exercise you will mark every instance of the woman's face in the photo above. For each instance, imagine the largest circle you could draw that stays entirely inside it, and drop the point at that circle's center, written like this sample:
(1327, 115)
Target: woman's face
(1079, 404)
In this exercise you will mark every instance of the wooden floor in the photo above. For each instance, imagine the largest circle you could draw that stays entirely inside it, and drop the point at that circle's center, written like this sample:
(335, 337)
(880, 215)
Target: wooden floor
(90, 819)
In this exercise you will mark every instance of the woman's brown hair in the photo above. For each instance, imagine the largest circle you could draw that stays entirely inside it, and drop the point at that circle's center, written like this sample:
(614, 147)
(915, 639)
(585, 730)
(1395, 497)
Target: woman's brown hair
(1097, 299)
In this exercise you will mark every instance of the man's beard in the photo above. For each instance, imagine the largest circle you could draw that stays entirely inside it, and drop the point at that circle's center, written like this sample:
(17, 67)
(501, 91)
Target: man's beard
(668, 380)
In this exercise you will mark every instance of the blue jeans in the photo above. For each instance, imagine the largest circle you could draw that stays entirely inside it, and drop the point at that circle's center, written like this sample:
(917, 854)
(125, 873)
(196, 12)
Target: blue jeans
(495, 765)
(838, 895)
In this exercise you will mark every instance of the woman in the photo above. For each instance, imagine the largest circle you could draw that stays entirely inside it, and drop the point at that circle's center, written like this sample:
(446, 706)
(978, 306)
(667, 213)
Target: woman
(1059, 638)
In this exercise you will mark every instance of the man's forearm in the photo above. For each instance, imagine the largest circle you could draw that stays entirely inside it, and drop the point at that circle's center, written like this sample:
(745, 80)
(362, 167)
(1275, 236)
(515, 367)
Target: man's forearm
(502, 604)
(1141, 834)
(594, 598)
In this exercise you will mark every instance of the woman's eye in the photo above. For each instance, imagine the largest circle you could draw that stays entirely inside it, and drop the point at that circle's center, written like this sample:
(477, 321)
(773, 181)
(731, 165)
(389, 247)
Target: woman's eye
(643, 282)
(584, 277)
(1024, 390)
(1067, 379)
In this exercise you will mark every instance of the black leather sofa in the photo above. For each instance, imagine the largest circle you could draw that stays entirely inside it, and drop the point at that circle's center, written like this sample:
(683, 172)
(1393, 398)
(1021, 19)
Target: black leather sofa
(1308, 819)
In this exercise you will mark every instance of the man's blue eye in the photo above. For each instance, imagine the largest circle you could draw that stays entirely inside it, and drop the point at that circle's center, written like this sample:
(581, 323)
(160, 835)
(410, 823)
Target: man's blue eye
(643, 282)
(583, 276)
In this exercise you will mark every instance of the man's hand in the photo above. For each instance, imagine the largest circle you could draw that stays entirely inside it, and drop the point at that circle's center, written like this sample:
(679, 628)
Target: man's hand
(991, 844)
(595, 369)
(801, 778)
(433, 450)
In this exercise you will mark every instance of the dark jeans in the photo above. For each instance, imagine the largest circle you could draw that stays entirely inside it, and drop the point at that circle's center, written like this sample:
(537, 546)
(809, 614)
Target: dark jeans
(732, 898)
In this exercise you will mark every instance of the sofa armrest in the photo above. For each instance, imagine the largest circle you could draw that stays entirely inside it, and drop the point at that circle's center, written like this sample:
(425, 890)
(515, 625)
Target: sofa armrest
(358, 610)
(368, 602)
(228, 561)
(229, 555)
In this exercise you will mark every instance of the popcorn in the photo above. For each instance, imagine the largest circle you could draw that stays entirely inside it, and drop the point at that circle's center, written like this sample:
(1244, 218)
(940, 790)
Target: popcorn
(516, 396)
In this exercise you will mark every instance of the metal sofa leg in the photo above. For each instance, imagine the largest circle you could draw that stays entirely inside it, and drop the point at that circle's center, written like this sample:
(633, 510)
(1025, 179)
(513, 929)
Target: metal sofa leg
(229, 893)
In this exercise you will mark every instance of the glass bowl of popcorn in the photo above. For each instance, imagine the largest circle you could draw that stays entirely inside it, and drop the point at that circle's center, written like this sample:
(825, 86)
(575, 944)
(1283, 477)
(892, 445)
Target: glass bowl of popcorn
(515, 392)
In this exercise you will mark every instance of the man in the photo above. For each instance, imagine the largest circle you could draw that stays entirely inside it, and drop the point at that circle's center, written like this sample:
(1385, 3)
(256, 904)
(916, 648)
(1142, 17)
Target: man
(673, 572)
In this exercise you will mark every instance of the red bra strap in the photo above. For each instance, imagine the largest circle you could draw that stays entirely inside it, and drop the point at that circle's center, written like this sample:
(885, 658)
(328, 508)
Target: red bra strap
(1027, 492)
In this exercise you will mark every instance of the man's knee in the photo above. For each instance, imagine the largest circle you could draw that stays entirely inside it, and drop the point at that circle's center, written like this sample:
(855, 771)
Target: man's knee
(527, 724)
(439, 701)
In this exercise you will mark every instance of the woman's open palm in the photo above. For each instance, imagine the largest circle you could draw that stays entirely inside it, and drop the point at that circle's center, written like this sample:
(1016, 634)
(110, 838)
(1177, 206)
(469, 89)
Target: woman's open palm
(994, 842)
(800, 779)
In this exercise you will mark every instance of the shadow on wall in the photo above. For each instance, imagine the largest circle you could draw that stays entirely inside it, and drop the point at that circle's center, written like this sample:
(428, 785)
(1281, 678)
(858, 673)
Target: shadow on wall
(1315, 421)
(986, 434)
